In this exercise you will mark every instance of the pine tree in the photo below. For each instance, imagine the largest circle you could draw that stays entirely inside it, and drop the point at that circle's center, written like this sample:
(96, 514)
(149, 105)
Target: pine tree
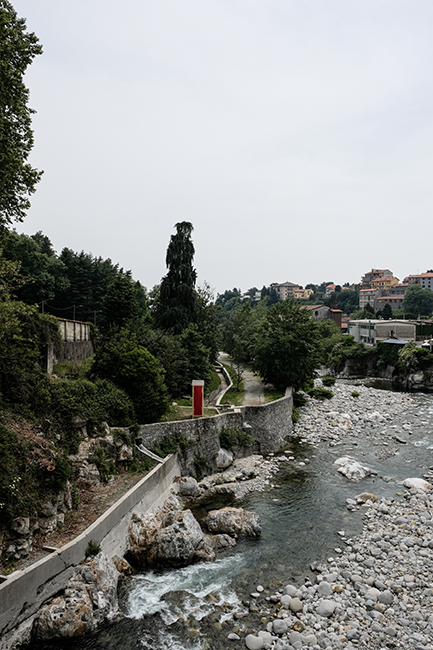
(177, 303)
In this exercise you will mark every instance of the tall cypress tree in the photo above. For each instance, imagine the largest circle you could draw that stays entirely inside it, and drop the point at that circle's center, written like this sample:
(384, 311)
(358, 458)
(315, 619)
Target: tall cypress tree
(177, 307)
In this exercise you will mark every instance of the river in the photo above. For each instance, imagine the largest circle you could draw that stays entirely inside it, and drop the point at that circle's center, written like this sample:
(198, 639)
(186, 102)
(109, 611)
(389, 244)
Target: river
(303, 514)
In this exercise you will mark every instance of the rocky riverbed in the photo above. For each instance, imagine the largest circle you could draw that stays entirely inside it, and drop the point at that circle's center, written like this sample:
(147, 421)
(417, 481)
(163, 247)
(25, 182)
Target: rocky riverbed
(373, 585)
(376, 590)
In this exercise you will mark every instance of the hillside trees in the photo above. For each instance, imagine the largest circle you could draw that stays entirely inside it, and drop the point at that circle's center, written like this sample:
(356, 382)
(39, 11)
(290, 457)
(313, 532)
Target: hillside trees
(286, 351)
(418, 301)
(18, 178)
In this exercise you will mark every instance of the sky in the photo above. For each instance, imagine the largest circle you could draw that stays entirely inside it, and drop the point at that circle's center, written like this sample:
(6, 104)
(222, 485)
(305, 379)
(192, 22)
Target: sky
(295, 135)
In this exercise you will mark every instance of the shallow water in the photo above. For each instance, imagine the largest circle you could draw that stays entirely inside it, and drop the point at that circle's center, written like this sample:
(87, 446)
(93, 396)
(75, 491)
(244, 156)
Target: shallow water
(300, 518)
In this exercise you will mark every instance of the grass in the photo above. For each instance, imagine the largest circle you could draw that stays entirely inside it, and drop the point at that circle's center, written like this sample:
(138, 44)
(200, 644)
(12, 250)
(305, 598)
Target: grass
(234, 397)
(178, 412)
(271, 394)
(214, 382)
(76, 370)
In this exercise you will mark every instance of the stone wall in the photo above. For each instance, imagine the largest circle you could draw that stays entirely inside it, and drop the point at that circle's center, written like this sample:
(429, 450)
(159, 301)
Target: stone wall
(269, 425)
(22, 593)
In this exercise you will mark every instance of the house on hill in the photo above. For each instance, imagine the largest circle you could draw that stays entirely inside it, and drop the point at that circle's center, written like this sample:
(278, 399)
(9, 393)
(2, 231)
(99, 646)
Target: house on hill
(285, 290)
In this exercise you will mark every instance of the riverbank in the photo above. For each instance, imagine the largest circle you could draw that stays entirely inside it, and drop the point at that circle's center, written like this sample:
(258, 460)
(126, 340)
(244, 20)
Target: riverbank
(376, 590)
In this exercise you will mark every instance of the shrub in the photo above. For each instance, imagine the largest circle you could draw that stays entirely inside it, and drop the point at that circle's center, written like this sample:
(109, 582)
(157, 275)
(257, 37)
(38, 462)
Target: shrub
(328, 381)
(355, 393)
(321, 393)
(230, 437)
(106, 465)
(93, 548)
(296, 413)
(93, 402)
(299, 399)
(134, 370)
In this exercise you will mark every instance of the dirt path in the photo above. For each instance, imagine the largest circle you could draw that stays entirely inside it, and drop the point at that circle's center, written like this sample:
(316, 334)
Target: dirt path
(254, 389)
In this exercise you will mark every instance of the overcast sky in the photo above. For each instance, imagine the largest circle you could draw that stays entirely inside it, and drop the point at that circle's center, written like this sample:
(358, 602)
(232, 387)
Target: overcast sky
(296, 135)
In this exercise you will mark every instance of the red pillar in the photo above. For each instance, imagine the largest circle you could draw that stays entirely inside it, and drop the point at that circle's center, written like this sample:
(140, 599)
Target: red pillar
(197, 397)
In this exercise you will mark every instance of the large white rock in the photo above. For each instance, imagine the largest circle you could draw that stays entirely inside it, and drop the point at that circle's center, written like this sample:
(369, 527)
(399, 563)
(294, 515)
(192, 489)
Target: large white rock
(417, 483)
(224, 458)
(351, 469)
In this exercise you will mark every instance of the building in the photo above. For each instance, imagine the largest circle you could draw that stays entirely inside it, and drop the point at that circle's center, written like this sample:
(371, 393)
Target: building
(317, 312)
(384, 283)
(285, 290)
(372, 331)
(424, 279)
(373, 275)
(395, 302)
(302, 294)
(330, 288)
(367, 296)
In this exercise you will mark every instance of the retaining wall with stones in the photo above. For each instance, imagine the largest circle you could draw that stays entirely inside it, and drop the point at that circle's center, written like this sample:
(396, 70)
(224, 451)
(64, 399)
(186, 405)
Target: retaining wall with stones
(269, 425)
(23, 593)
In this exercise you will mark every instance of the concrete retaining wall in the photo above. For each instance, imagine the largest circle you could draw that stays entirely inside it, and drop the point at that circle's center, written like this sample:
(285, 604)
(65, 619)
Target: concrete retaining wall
(269, 425)
(22, 594)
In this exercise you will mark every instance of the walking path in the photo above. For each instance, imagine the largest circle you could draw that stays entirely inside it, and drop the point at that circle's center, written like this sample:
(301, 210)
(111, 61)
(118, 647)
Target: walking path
(254, 389)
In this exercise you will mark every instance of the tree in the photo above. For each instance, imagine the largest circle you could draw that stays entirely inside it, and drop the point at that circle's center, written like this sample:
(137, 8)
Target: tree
(418, 301)
(177, 299)
(136, 371)
(119, 305)
(287, 349)
(387, 312)
(18, 178)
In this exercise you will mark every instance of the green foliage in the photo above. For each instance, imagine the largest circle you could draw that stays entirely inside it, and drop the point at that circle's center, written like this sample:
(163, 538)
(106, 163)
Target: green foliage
(93, 548)
(387, 312)
(171, 445)
(418, 301)
(299, 399)
(286, 348)
(106, 465)
(201, 467)
(347, 348)
(214, 382)
(93, 402)
(328, 381)
(24, 481)
(119, 305)
(136, 371)
(18, 179)
(355, 393)
(387, 355)
(230, 437)
(177, 299)
(411, 358)
(74, 370)
(199, 365)
(329, 335)
(321, 393)
(296, 414)
(24, 334)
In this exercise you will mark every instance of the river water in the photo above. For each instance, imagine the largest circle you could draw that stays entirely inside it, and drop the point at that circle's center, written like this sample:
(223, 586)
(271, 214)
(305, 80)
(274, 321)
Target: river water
(301, 510)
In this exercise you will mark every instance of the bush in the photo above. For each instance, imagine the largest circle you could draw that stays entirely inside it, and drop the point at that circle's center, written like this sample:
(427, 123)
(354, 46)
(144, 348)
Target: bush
(328, 381)
(230, 437)
(296, 413)
(93, 402)
(321, 393)
(134, 370)
(299, 399)
(93, 548)
(411, 358)
(355, 393)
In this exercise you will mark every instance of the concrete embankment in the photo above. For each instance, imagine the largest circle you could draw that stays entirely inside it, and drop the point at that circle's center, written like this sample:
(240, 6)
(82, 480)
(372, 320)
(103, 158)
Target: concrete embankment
(23, 593)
